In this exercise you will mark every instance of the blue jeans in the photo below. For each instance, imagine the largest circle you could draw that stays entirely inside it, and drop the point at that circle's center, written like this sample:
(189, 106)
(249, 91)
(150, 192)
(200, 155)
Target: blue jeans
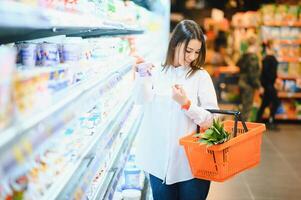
(194, 189)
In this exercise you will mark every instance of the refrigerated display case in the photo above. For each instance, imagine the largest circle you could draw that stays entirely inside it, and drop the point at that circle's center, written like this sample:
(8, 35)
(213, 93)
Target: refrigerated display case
(66, 88)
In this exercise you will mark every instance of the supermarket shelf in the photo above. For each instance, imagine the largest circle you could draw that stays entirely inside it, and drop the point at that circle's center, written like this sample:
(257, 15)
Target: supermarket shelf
(289, 95)
(80, 181)
(40, 22)
(114, 180)
(290, 42)
(226, 70)
(285, 117)
(71, 99)
(288, 77)
(13, 34)
(288, 59)
(106, 31)
(283, 23)
(111, 175)
(244, 27)
(56, 189)
(112, 138)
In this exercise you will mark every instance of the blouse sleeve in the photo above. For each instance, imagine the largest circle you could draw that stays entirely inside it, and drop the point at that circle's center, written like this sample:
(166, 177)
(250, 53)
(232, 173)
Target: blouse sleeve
(206, 100)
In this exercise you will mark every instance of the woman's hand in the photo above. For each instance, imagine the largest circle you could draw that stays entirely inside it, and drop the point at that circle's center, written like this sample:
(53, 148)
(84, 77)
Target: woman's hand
(179, 95)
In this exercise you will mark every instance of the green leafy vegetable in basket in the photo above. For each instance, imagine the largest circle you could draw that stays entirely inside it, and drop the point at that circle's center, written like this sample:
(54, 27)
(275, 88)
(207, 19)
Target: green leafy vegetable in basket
(216, 134)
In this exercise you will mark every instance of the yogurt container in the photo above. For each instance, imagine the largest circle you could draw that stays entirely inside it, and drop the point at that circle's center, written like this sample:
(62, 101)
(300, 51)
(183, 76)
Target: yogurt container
(131, 194)
(70, 52)
(27, 54)
(143, 68)
(131, 178)
(49, 54)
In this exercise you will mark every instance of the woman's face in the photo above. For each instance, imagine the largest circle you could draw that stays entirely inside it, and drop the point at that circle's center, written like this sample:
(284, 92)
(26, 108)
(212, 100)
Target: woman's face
(184, 57)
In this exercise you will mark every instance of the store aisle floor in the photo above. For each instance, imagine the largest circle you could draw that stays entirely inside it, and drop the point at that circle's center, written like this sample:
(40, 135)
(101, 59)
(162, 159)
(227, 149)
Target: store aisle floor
(278, 177)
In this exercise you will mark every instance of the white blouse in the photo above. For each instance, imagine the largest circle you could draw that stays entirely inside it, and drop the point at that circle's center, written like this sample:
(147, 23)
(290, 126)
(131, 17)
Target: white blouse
(164, 122)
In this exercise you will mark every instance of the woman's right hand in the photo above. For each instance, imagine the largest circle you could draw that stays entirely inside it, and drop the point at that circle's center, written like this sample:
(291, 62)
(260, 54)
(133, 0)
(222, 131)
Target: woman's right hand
(144, 69)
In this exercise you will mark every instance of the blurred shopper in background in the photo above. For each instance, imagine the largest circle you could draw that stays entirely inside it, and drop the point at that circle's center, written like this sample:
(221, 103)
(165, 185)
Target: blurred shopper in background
(249, 76)
(220, 56)
(268, 78)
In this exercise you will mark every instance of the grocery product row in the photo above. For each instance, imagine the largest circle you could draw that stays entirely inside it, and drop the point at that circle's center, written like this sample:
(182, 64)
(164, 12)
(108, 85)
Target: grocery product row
(29, 91)
(80, 18)
(281, 14)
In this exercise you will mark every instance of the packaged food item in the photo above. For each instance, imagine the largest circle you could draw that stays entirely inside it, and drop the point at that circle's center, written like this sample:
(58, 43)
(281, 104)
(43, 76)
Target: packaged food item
(292, 13)
(250, 18)
(49, 54)
(281, 13)
(131, 194)
(132, 178)
(285, 33)
(7, 66)
(71, 52)
(144, 69)
(27, 54)
(274, 32)
(268, 13)
(293, 68)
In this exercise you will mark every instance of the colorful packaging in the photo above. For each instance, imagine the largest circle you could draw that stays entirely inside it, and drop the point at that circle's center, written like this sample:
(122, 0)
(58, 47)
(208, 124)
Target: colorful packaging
(292, 13)
(71, 52)
(281, 13)
(27, 54)
(268, 13)
(7, 66)
(49, 54)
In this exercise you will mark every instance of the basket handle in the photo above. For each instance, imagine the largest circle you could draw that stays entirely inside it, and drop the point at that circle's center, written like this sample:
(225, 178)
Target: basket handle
(237, 116)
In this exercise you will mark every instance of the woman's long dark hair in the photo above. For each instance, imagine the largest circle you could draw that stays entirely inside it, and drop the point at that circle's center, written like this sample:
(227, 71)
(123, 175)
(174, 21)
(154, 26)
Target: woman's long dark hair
(185, 31)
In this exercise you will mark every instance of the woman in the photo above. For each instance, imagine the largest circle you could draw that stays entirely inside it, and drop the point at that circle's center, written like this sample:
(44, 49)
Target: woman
(174, 97)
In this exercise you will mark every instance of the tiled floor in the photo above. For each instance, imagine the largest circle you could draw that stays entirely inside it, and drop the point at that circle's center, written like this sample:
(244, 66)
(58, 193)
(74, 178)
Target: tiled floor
(278, 176)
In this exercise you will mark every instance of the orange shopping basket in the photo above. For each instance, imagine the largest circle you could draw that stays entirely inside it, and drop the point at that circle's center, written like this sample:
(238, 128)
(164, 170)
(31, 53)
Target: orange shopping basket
(223, 161)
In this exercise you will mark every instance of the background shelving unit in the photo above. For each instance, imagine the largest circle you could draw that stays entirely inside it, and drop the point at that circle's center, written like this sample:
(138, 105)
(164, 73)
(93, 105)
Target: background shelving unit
(286, 37)
(281, 23)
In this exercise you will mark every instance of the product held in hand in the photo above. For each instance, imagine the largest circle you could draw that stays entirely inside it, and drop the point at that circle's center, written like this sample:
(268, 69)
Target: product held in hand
(144, 69)
(219, 162)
